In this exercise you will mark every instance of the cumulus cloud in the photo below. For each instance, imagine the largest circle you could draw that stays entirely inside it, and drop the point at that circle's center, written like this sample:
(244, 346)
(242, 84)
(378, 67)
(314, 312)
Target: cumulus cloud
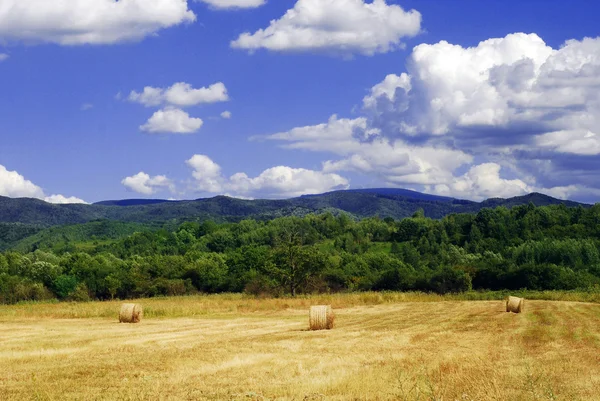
(145, 184)
(481, 182)
(180, 94)
(207, 174)
(339, 26)
(3, 56)
(580, 142)
(174, 121)
(14, 185)
(367, 151)
(509, 87)
(275, 182)
(484, 181)
(226, 115)
(283, 181)
(225, 4)
(387, 89)
(78, 22)
(513, 101)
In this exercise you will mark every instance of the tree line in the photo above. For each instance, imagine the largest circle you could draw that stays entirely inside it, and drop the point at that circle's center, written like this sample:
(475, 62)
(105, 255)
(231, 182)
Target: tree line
(525, 247)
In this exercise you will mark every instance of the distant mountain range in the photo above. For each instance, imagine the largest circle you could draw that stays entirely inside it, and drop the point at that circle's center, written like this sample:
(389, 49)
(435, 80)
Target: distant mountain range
(25, 222)
(359, 203)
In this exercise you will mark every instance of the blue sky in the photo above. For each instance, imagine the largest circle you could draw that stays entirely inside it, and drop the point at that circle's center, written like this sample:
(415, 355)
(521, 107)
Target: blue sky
(466, 98)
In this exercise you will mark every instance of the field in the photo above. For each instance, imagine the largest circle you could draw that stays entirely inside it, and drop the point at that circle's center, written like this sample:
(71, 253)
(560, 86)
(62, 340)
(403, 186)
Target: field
(230, 347)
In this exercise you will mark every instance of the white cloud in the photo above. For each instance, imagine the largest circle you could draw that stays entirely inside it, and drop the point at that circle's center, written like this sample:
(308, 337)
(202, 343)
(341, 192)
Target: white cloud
(147, 185)
(283, 181)
(515, 86)
(3, 56)
(226, 115)
(174, 121)
(86, 106)
(513, 98)
(225, 4)
(336, 135)
(206, 173)
(580, 142)
(77, 22)
(180, 94)
(60, 199)
(481, 182)
(387, 89)
(366, 151)
(275, 182)
(149, 97)
(340, 26)
(14, 185)
(398, 163)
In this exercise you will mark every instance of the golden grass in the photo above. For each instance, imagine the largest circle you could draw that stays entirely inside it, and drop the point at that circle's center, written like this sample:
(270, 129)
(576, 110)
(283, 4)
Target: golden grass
(232, 348)
(236, 304)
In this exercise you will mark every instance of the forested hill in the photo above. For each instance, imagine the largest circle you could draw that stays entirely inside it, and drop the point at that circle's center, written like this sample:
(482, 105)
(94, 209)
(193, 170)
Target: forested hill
(395, 203)
(526, 247)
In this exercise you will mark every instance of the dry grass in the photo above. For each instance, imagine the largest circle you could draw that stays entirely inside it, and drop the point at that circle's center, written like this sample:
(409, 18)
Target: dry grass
(235, 348)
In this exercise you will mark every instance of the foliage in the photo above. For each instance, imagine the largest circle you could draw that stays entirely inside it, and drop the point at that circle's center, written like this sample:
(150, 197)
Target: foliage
(523, 248)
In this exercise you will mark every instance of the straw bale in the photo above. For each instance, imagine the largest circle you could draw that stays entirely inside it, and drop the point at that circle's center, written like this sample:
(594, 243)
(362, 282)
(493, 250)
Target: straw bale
(515, 304)
(321, 317)
(131, 313)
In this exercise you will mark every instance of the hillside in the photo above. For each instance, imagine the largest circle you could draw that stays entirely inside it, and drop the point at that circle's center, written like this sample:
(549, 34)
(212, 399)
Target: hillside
(76, 236)
(395, 203)
(12, 233)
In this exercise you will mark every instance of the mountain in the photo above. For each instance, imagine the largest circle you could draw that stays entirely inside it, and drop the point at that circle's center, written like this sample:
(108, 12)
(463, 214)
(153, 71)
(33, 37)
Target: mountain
(534, 197)
(406, 193)
(396, 203)
(132, 202)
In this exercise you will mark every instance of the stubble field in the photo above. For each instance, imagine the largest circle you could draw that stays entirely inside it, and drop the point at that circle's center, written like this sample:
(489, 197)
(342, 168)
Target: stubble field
(384, 347)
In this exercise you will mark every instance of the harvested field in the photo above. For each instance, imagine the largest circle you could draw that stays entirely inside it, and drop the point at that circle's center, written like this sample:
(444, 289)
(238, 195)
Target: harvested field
(445, 350)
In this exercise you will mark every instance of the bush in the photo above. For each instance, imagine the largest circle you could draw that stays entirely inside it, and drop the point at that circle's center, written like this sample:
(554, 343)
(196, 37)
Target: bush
(450, 280)
(262, 286)
(81, 293)
(64, 286)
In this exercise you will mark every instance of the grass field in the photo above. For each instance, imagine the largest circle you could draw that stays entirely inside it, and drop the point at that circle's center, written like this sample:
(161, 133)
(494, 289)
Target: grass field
(229, 347)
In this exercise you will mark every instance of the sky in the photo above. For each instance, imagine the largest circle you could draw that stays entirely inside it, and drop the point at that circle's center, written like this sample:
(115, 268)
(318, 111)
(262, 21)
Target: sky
(185, 99)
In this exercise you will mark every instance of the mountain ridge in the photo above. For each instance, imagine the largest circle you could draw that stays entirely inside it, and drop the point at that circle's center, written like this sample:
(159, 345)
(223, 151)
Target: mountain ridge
(383, 202)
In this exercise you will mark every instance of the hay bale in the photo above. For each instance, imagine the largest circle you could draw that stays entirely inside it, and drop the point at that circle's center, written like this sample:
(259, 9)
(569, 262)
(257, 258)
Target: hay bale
(131, 313)
(515, 304)
(321, 317)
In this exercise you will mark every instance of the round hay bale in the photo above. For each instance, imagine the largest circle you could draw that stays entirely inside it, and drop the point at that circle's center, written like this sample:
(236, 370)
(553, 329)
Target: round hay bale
(515, 304)
(131, 313)
(321, 317)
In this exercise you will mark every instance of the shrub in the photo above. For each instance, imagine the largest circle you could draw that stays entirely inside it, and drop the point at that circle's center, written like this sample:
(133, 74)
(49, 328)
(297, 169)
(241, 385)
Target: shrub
(450, 280)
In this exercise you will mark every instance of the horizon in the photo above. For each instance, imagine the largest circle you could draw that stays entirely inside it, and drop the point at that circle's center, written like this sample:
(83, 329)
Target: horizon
(163, 200)
(264, 99)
